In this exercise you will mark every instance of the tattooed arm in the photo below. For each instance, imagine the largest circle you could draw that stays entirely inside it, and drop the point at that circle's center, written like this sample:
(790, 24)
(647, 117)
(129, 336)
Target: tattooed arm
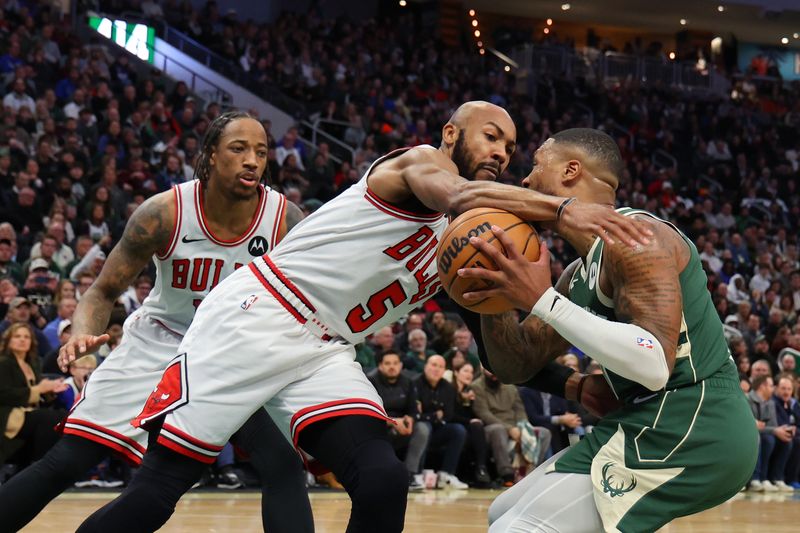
(147, 232)
(517, 351)
(645, 285)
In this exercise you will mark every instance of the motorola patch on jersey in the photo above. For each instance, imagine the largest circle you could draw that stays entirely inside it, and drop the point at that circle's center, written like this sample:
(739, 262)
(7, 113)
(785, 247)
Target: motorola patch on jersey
(257, 246)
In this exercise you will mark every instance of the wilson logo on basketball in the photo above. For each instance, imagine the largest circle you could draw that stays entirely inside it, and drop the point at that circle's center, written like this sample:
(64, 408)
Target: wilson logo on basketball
(456, 245)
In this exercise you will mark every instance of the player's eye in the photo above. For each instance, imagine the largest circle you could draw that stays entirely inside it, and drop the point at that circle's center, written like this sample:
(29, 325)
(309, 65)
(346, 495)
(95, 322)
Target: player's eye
(491, 137)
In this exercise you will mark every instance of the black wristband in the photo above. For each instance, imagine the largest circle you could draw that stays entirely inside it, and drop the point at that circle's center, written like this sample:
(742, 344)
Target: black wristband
(552, 378)
(564, 204)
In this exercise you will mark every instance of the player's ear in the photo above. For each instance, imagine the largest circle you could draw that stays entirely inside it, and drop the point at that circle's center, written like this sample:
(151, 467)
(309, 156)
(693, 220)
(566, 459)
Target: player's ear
(572, 170)
(450, 134)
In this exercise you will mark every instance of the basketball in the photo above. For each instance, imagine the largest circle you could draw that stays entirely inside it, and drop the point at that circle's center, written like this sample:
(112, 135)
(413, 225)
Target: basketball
(456, 252)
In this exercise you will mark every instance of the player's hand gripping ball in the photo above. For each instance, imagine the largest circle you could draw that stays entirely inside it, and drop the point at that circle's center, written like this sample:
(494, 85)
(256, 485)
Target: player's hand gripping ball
(456, 252)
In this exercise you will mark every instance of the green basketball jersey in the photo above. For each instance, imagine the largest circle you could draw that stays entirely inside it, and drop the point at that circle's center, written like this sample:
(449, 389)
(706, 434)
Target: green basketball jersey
(701, 350)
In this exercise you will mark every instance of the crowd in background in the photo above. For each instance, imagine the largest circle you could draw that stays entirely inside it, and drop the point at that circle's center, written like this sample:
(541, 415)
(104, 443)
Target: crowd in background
(86, 137)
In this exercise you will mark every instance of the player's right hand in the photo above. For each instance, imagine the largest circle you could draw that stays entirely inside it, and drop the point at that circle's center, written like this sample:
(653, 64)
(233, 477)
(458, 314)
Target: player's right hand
(606, 223)
(78, 346)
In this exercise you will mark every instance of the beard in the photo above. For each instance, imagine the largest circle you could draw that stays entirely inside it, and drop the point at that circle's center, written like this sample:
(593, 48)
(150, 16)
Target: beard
(467, 166)
(462, 159)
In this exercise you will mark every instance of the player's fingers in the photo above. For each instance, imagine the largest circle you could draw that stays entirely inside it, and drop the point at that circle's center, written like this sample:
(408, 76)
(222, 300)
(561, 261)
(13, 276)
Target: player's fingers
(505, 240)
(491, 276)
(544, 255)
(100, 340)
(627, 232)
(487, 249)
(475, 296)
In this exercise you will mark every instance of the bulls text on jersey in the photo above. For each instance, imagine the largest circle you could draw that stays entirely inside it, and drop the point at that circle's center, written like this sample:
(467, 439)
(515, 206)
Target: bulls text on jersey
(420, 247)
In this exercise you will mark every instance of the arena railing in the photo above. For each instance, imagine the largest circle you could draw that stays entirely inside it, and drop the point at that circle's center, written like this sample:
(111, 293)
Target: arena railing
(344, 151)
(614, 67)
(663, 159)
(222, 65)
(232, 71)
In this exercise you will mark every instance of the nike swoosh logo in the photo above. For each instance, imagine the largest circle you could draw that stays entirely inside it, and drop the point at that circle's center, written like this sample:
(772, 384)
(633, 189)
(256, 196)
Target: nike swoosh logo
(640, 399)
(557, 298)
(187, 240)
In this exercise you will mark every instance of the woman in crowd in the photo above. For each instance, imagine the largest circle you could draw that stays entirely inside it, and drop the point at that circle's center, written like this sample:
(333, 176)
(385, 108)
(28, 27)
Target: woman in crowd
(464, 415)
(27, 425)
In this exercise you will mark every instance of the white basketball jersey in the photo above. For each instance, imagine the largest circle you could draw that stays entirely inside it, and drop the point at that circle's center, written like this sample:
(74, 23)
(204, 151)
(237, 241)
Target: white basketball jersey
(196, 260)
(361, 262)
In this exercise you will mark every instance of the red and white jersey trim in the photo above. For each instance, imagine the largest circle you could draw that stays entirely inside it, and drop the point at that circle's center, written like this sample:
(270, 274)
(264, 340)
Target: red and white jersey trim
(395, 211)
(276, 226)
(176, 228)
(289, 296)
(198, 202)
(128, 448)
(323, 411)
(183, 443)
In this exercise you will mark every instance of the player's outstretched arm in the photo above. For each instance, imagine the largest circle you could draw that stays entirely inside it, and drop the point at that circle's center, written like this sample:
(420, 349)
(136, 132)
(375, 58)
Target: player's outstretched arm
(517, 351)
(432, 177)
(147, 232)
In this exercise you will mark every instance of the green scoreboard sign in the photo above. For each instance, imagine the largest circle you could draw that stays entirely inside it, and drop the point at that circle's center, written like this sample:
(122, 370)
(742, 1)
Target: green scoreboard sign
(137, 39)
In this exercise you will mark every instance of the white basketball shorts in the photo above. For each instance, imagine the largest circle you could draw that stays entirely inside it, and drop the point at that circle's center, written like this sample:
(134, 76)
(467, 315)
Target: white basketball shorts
(115, 391)
(255, 343)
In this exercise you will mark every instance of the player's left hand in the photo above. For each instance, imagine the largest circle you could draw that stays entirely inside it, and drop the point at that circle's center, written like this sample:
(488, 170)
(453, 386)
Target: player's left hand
(597, 397)
(605, 222)
(517, 280)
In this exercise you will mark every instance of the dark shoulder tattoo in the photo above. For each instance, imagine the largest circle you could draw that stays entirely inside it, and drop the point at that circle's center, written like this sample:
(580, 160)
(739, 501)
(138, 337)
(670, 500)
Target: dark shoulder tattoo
(293, 215)
(149, 229)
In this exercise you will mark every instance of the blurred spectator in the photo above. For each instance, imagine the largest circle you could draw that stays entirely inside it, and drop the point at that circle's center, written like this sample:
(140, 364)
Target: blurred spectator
(501, 410)
(465, 415)
(552, 413)
(463, 343)
(79, 372)
(8, 267)
(20, 310)
(414, 321)
(50, 361)
(399, 397)
(133, 298)
(66, 307)
(785, 466)
(45, 258)
(770, 432)
(437, 400)
(418, 351)
(27, 427)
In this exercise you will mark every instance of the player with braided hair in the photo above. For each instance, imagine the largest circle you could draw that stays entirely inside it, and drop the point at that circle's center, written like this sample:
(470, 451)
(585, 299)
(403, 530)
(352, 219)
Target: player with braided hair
(197, 234)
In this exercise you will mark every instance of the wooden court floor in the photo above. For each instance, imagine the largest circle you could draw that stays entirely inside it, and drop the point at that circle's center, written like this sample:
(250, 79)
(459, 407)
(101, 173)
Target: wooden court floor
(428, 512)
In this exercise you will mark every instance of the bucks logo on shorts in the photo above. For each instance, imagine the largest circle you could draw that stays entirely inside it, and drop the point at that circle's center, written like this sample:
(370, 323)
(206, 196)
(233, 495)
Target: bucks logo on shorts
(614, 488)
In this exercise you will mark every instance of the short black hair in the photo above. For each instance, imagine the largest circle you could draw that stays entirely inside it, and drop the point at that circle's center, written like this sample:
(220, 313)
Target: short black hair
(597, 144)
(379, 357)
